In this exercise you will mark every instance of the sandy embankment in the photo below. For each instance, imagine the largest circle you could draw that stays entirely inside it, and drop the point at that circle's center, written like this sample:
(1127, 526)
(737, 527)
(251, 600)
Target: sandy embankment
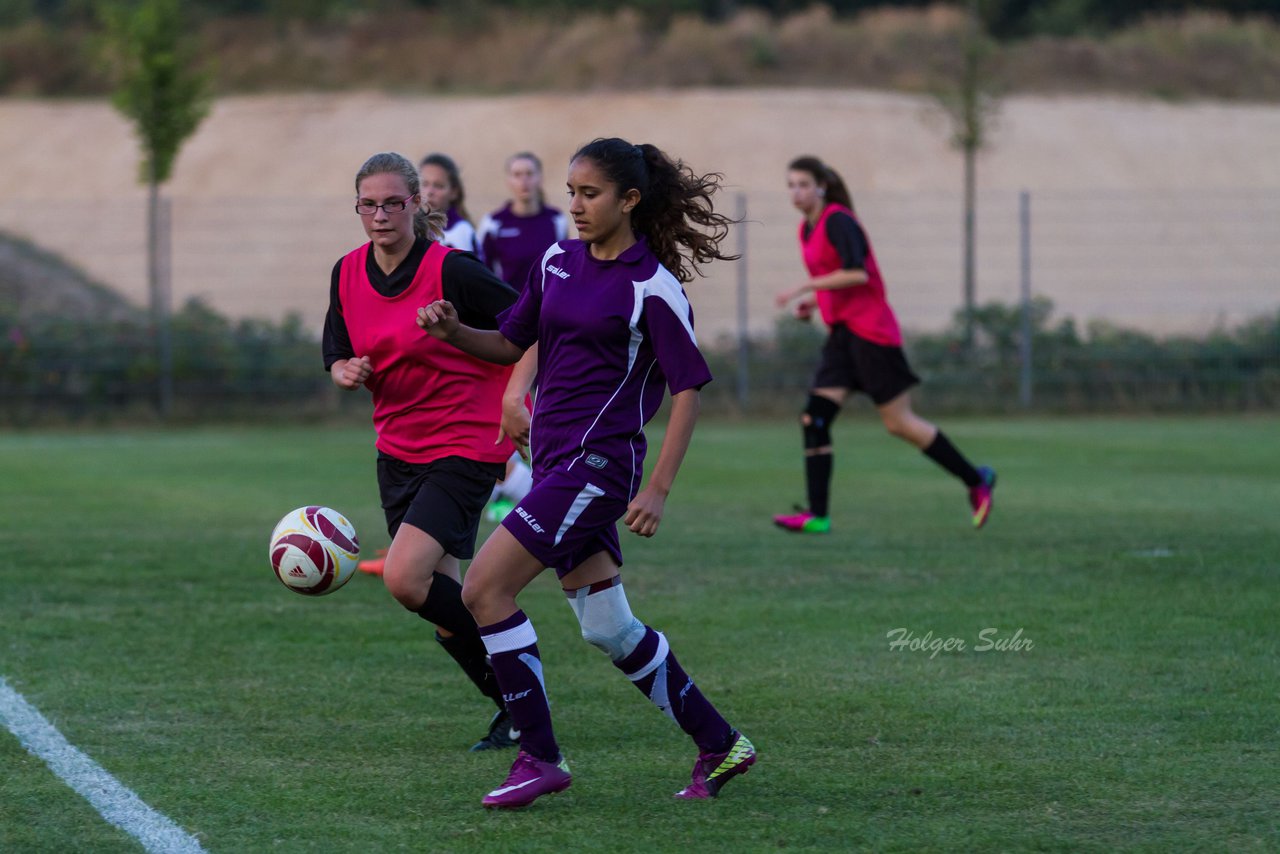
(1148, 214)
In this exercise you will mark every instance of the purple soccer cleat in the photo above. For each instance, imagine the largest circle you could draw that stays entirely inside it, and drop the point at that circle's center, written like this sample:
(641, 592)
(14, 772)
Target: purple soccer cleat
(713, 770)
(529, 780)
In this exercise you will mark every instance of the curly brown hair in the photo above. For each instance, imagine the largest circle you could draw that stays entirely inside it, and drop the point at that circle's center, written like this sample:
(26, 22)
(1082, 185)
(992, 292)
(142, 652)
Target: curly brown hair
(675, 214)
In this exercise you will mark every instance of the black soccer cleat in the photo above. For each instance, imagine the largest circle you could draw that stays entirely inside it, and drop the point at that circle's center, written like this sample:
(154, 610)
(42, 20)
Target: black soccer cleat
(501, 734)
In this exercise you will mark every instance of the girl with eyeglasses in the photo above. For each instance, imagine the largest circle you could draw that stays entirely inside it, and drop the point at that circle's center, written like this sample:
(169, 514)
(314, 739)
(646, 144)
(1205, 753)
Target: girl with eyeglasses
(436, 411)
(613, 331)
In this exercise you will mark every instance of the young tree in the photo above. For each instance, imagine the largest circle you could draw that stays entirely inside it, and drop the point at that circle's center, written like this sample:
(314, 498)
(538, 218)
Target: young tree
(970, 103)
(166, 97)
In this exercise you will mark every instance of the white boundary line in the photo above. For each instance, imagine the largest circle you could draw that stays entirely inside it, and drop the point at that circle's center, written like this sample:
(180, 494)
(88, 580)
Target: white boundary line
(116, 802)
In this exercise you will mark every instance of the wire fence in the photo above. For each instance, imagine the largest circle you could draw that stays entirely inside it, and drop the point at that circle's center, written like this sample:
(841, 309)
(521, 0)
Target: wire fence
(1162, 271)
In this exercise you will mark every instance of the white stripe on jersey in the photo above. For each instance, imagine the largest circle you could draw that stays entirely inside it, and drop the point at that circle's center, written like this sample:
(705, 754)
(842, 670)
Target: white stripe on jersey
(667, 288)
(460, 235)
(487, 225)
(552, 251)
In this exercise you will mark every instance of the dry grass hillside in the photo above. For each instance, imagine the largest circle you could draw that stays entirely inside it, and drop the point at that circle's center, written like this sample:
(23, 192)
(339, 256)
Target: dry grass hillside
(1145, 213)
(476, 48)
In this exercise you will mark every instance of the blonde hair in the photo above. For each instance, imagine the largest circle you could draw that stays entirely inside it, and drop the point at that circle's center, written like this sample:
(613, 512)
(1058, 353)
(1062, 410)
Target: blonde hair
(426, 223)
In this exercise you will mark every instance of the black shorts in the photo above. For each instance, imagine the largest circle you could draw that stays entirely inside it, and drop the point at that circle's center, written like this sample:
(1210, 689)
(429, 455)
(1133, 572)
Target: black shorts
(851, 361)
(445, 498)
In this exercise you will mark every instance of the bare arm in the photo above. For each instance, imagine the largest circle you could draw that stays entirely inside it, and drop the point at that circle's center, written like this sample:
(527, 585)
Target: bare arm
(827, 282)
(644, 513)
(515, 415)
(440, 320)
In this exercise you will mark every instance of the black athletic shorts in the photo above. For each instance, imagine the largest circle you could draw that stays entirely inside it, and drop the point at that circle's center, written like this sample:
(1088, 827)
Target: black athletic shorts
(851, 361)
(445, 498)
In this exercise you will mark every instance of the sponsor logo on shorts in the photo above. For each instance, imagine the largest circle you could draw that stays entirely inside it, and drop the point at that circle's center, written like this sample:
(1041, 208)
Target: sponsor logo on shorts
(529, 519)
(596, 461)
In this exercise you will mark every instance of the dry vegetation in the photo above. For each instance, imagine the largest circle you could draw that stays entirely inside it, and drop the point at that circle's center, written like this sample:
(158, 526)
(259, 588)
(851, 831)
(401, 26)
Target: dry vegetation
(1196, 55)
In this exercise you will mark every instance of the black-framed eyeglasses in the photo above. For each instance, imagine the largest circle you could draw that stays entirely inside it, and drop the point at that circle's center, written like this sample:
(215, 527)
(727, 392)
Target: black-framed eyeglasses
(391, 206)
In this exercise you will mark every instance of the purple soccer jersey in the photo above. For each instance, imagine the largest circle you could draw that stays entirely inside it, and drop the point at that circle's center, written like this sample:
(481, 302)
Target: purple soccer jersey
(614, 335)
(458, 233)
(512, 245)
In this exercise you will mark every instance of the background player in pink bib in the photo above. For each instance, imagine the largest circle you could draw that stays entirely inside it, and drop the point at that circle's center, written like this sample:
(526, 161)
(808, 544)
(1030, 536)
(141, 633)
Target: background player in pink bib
(436, 410)
(863, 351)
(614, 331)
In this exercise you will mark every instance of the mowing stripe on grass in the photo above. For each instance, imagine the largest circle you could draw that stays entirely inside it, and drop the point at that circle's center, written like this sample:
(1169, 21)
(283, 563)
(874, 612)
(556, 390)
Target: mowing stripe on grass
(116, 802)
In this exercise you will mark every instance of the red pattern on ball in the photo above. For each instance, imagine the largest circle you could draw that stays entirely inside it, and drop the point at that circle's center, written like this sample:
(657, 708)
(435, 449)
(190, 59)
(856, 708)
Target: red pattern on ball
(315, 552)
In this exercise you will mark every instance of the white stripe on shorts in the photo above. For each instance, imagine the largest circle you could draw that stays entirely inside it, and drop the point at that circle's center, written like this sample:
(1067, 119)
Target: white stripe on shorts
(589, 493)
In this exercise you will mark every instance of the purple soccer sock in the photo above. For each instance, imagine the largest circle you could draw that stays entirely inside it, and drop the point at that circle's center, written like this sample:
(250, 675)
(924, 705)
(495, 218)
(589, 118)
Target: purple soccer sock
(652, 666)
(513, 651)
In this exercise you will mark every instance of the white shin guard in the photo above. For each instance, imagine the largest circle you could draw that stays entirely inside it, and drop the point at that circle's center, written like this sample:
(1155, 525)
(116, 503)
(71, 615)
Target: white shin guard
(607, 621)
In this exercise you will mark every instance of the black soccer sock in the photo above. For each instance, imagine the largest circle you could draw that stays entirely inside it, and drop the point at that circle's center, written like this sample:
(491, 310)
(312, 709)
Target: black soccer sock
(942, 452)
(815, 423)
(817, 478)
(472, 658)
(444, 608)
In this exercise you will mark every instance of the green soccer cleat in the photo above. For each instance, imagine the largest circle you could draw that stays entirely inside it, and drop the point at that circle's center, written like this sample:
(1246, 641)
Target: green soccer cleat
(804, 522)
(713, 770)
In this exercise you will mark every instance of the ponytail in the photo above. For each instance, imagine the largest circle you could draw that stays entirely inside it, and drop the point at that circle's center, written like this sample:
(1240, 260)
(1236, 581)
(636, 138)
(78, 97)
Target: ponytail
(675, 215)
(428, 223)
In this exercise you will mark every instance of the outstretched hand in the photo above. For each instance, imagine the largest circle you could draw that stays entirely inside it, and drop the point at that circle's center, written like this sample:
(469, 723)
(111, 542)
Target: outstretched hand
(439, 319)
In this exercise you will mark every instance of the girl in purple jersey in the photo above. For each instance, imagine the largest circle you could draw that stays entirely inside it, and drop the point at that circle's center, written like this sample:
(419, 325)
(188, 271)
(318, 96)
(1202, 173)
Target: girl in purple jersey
(513, 238)
(442, 190)
(614, 331)
(863, 351)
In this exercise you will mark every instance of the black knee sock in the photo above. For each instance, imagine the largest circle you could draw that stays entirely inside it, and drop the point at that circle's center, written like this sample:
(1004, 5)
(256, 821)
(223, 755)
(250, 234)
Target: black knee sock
(942, 452)
(472, 658)
(815, 422)
(444, 608)
(817, 478)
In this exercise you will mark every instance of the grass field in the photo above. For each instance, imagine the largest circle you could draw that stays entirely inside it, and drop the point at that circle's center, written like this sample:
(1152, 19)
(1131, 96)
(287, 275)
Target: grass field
(1138, 557)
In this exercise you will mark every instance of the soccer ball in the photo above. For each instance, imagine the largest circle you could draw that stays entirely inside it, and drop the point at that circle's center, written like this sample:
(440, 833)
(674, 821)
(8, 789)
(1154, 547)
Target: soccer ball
(314, 550)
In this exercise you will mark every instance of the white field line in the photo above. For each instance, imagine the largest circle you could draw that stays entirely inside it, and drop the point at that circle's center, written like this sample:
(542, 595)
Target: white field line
(116, 802)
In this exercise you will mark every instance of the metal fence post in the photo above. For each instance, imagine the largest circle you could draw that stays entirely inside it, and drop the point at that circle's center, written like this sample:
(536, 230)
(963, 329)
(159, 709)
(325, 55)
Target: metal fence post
(1024, 346)
(744, 344)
